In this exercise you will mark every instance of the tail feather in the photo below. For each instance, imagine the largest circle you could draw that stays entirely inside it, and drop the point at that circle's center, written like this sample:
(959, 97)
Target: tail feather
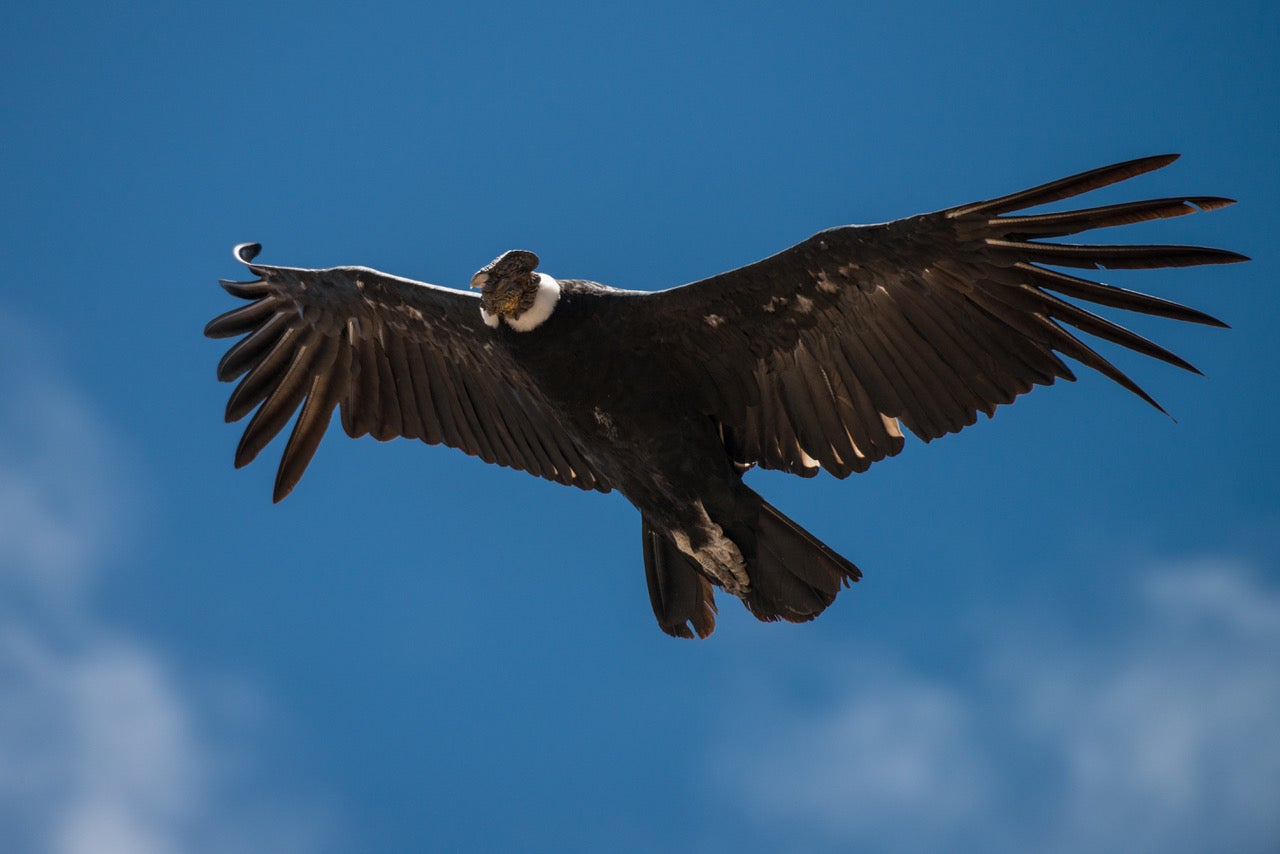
(794, 575)
(680, 594)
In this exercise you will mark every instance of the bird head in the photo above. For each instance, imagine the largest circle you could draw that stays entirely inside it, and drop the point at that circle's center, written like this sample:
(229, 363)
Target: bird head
(508, 285)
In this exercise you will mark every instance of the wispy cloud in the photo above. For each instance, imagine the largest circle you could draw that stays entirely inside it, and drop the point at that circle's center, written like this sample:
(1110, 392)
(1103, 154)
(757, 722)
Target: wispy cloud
(104, 748)
(55, 474)
(1154, 735)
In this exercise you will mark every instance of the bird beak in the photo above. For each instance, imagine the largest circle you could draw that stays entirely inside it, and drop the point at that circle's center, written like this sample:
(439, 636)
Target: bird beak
(479, 280)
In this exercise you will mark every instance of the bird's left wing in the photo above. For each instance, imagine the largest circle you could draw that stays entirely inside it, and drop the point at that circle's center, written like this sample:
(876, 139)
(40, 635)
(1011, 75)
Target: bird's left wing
(814, 355)
(398, 357)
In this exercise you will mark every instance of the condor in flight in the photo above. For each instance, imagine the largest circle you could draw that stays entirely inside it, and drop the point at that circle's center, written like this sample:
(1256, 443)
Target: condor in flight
(813, 358)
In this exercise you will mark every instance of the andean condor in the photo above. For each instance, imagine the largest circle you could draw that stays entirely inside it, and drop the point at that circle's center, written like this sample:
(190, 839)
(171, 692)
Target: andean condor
(812, 358)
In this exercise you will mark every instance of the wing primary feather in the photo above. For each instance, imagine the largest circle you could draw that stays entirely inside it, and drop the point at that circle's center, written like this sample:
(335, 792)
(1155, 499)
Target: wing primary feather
(281, 402)
(1073, 222)
(1037, 303)
(1066, 343)
(1114, 257)
(242, 319)
(1065, 188)
(245, 353)
(1091, 323)
(331, 372)
(1110, 295)
(264, 376)
(1087, 356)
(256, 289)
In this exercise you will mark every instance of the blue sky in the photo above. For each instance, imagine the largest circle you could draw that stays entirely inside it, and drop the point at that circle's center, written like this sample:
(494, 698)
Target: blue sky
(1068, 634)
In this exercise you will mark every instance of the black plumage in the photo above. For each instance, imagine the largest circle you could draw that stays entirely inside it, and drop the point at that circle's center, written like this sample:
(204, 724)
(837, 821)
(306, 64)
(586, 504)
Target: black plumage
(808, 359)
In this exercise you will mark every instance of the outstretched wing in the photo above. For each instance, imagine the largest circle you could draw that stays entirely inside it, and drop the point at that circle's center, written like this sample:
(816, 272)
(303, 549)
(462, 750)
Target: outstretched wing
(400, 358)
(814, 355)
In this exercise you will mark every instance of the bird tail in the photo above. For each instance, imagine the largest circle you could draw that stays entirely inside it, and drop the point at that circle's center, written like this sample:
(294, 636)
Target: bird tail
(793, 575)
(680, 594)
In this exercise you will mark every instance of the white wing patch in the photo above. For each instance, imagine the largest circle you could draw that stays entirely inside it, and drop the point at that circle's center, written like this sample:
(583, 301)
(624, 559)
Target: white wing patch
(544, 302)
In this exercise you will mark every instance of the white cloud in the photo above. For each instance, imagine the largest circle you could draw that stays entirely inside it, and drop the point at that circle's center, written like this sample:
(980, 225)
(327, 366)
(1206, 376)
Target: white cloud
(104, 747)
(1159, 735)
(55, 469)
(98, 752)
(1168, 742)
(910, 746)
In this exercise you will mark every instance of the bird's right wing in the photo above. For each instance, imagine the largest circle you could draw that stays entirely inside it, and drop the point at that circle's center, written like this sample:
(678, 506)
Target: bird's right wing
(398, 357)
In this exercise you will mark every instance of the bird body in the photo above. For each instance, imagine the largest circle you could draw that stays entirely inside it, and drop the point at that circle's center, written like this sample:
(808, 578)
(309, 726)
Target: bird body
(644, 429)
(813, 358)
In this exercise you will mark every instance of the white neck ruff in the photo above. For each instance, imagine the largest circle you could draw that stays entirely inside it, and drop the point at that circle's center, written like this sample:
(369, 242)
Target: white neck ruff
(544, 302)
